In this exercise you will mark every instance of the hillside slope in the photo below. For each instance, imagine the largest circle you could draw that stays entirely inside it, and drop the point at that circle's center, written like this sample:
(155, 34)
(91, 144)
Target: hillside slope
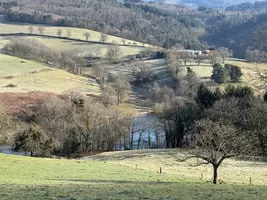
(37, 178)
(27, 76)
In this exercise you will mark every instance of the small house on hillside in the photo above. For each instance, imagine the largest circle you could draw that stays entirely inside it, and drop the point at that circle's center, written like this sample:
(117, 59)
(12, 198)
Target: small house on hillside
(190, 52)
(207, 53)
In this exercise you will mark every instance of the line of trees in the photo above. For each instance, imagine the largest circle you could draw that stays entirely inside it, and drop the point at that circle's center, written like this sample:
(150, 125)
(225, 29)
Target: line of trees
(72, 124)
(126, 20)
(35, 50)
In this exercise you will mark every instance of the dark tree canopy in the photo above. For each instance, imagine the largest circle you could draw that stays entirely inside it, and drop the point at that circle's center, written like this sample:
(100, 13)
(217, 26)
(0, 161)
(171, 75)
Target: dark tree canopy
(34, 141)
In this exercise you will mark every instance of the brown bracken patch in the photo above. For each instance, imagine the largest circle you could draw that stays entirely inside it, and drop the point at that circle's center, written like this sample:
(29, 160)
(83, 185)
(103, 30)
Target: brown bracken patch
(17, 103)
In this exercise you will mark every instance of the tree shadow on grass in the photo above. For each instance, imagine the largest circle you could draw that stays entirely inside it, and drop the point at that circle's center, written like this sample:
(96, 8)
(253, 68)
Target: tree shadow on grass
(114, 181)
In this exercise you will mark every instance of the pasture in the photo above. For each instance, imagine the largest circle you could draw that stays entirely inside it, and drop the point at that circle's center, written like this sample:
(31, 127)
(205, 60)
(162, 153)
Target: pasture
(29, 76)
(204, 71)
(113, 176)
(84, 47)
(76, 33)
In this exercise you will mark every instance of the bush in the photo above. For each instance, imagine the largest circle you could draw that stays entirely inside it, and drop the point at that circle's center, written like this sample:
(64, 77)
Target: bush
(244, 92)
(10, 85)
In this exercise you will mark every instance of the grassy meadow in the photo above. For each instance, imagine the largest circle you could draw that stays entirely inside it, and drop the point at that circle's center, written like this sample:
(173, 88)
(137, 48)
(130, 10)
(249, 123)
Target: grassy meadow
(76, 33)
(112, 176)
(81, 47)
(204, 71)
(29, 76)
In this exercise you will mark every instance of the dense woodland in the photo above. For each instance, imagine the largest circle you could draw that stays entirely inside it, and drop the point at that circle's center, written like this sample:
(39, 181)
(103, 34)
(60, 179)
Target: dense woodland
(248, 6)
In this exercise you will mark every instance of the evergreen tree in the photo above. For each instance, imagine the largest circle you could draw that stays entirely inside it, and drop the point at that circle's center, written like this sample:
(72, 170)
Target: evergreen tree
(243, 92)
(265, 96)
(34, 141)
(235, 72)
(205, 98)
(219, 74)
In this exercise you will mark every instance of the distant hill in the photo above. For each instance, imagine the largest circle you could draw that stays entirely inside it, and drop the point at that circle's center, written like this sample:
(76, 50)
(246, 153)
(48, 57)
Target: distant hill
(236, 32)
(257, 6)
(219, 4)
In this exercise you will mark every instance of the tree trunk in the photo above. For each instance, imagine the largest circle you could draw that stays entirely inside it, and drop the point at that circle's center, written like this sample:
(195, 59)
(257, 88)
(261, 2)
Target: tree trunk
(132, 136)
(215, 174)
(31, 154)
(139, 140)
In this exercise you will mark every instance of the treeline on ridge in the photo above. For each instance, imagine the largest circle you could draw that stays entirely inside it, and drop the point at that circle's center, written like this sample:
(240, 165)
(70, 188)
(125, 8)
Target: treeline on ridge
(144, 23)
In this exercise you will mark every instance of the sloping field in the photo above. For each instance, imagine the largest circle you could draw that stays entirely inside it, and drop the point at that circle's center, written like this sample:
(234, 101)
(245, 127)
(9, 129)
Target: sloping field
(13, 66)
(84, 47)
(231, 172)
(2, 42)
(36, 178)
(76, 33)
(29, 76)
(205, 70)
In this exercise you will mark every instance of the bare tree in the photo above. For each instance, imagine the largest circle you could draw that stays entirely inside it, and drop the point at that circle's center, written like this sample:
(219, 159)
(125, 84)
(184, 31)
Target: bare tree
(189, 83)
(224, 52)
(215, 57)
(100, 74)
(86, 35)
(174, 61)
(30, 29)
(121, 87)
(69, 33)
(141, 73)
(41, 30)
(59, 32)
(108, 96)
(213, 142)
(113, 53)
(185, 57)
(199, 58)
(103, 37)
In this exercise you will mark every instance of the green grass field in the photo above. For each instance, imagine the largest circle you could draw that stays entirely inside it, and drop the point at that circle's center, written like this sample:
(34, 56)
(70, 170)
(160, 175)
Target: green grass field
(112, 178)
(249, 78)
(32, 76)
(84, 47)
(76, 33)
